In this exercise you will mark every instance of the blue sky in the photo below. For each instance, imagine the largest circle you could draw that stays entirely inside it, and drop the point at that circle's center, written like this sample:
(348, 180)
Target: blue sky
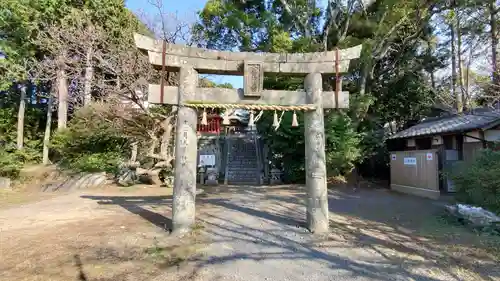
(186, 11)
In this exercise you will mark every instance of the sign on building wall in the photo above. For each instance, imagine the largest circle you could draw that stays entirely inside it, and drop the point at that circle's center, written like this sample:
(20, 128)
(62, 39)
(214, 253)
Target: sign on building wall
(393, 157)
(411, 161)
(429, 156)
(207, 160)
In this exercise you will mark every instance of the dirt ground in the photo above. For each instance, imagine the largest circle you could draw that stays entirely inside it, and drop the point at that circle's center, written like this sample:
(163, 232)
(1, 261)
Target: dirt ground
(242, 233)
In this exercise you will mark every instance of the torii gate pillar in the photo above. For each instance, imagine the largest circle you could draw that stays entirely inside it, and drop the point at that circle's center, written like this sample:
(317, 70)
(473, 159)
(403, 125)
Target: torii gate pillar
(314, 133)
(186, 149)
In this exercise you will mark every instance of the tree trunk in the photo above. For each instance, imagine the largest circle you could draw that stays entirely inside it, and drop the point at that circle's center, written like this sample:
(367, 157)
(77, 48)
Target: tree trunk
(429, 55)
(62, 92)
(89, 75)
(154, 143)
(325, 39)
(457, 97)
(167, 137)
(359, 113)
(20, 118)
(464, 83)
(133, 157)
(46, 136)
(461, 93)
(494, 42)
(467, 79)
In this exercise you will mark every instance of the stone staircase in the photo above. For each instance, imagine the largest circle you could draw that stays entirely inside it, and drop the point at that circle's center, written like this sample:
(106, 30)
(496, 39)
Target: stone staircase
(242, 162)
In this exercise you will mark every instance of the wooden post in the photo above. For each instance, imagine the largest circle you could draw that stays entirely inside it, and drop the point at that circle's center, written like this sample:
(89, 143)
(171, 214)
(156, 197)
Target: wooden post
(48, 127)
(228, 145)
(314, 130)
(20, 118)
(186, 147)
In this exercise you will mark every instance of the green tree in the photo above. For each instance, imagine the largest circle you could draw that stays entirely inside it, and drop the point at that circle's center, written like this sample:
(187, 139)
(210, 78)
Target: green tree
(476, 182)
(390, 31)
(47, 45)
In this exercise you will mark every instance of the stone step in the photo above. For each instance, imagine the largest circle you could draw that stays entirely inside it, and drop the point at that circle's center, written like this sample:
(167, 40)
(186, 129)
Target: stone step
(241, 176)
(242, 182)
(242, 156)
(239, 160)
(242, 179)
(253, 158)
(252, 172)
(248, 167)
(242, 167)
(241, 173)
(243, 163)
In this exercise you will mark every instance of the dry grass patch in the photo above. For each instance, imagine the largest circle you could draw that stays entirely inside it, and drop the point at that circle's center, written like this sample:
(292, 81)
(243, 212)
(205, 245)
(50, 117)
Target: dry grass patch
(116, 247)
(13, 197)
(433, 246)
(73, 238)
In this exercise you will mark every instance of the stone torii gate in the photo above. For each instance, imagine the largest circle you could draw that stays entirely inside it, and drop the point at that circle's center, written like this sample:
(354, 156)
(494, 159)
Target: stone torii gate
(190, 61)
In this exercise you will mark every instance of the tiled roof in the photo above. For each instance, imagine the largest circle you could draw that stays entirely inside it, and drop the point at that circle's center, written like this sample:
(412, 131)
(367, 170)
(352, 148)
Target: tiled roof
(451, 124)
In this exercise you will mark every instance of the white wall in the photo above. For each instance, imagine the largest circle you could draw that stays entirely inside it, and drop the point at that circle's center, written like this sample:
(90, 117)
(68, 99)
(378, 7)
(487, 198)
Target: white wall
(492, 135)
(437, 140)
(474, 134)
(410, 142)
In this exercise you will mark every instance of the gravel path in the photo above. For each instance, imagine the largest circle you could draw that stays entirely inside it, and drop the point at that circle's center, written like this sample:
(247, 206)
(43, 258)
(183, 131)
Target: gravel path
(257, 234)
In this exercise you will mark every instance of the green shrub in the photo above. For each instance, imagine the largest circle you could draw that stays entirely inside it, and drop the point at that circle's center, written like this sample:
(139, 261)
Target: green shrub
(87, 151)
(13, 160)
(10, 164)
(478, 183)
(342, 144)
(287, 144)
(97, 162)
(89, 145)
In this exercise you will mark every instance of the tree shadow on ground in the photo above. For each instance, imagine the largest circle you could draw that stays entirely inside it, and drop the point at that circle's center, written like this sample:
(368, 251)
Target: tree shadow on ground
(399, 247)
(135, 205)
(372, 220)
(290, 250)
(81, 276)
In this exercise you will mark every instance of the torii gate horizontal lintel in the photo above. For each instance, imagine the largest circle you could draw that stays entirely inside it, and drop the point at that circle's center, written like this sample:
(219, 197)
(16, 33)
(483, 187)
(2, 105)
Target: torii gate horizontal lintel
(233, 96)
(252, 66)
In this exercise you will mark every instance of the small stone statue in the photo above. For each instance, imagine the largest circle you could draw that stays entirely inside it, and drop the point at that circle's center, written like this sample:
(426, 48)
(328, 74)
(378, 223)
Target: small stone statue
(166, 177)
(275, 176)
(212, 176)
